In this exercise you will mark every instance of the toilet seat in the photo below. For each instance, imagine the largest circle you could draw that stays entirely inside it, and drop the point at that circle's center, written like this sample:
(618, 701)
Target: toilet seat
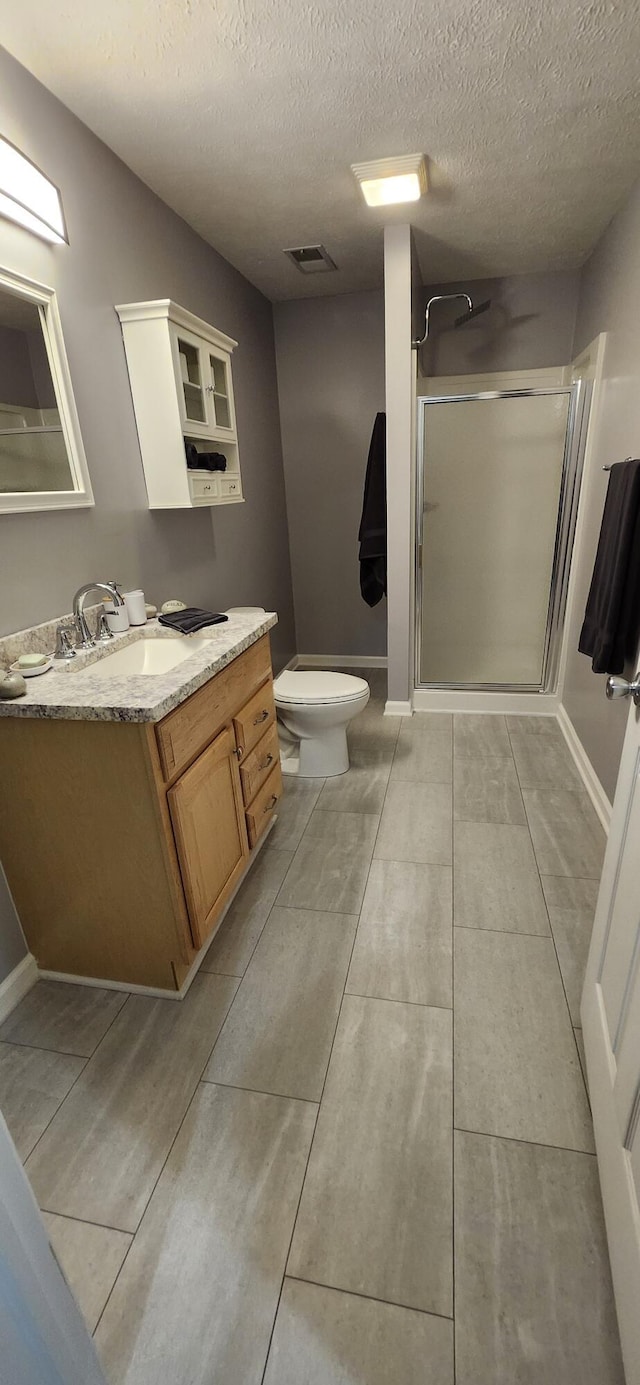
(318, 688)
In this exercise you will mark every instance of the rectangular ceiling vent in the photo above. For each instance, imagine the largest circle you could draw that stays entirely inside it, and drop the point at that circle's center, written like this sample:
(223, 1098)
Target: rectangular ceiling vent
(311, 259)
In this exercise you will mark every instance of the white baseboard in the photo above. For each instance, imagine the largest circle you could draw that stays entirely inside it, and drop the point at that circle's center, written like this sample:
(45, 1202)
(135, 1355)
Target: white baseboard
(107, 985)
(342, 660)
(16, 985)
(509, 703)
(397, 709)
(585, 769)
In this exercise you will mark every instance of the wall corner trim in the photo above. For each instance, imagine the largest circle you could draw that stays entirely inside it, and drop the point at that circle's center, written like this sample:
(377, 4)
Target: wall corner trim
(398, 709)
(16, 984)
(585, 768)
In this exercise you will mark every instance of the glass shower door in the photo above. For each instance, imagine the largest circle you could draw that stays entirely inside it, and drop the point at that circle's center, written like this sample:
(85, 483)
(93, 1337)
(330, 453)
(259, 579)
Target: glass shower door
(490, 494)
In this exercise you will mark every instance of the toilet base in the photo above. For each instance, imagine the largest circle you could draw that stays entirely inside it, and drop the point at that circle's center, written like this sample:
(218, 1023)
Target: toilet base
(324, 756)
(314, 757)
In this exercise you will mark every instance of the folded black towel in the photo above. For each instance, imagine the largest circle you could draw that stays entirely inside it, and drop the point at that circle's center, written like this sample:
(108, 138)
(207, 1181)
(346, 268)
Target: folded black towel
(204, 461)
(373, 524)
(191, 619)
(612, 617)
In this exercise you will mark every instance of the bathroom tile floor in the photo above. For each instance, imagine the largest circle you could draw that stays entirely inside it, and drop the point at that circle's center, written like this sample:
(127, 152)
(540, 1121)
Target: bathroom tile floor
(360, 1151)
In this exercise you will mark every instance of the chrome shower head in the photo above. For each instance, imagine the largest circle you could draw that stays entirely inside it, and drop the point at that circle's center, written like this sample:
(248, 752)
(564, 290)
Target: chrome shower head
(473, 312)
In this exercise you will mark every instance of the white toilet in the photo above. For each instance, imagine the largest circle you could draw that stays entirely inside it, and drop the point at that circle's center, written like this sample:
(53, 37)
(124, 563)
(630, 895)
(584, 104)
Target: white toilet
(314, 709)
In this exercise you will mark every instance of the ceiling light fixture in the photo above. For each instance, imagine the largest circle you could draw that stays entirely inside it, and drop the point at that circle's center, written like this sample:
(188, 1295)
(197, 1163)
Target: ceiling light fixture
(28, 197)
(387, 181)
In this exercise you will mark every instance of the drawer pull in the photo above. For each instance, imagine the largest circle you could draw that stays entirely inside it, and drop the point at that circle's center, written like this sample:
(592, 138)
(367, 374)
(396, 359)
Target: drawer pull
(268, 760)
(271, 804)
(262, 716)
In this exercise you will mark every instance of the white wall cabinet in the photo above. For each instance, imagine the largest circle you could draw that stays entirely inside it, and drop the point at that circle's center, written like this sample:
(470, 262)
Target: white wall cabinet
(182, 389)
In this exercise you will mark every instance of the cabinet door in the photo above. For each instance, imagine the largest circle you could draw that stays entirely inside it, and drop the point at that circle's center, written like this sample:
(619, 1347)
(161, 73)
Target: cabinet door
(220, 393)
(211, 837)
(191, 366)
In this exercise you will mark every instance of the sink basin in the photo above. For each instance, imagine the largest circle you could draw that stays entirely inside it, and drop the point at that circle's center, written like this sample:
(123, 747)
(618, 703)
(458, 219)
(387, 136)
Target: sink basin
(149, 656)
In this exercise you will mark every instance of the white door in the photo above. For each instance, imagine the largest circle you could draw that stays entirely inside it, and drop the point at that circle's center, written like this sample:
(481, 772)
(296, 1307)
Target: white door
(611, 1025)
(43, 1338)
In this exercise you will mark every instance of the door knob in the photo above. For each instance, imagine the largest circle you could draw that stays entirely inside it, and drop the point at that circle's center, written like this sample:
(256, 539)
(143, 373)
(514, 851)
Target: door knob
(619, 687)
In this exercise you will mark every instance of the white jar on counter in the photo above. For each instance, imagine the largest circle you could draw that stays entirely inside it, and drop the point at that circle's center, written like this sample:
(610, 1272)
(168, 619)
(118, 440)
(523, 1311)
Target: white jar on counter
(135, 604)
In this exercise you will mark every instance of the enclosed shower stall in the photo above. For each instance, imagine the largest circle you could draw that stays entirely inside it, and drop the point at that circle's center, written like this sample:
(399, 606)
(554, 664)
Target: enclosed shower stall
(497, 486)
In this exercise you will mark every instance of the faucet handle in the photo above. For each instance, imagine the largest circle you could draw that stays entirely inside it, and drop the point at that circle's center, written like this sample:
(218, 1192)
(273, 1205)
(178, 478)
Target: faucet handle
(64, 647)
(103, 633)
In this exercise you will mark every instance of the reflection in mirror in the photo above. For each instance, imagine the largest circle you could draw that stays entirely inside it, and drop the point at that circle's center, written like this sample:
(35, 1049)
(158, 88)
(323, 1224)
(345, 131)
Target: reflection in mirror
(33, 452)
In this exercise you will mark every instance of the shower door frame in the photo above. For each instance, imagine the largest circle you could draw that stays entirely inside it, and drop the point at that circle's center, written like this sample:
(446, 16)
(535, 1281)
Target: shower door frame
(579, 396)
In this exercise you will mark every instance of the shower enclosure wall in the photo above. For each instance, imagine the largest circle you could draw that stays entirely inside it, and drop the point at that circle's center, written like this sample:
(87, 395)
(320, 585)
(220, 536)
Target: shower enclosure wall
(498, 477)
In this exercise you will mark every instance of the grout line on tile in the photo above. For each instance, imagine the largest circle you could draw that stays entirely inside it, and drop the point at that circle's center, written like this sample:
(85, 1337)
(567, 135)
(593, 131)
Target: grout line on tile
(518, 1140)
(371, 1298)
(510, 932)
(397, 1000)
(259, 1091)
(161, 1170)
(119, 1012)
(101, 1225)
(311, 1143)
(37, 1048)
(555, 949)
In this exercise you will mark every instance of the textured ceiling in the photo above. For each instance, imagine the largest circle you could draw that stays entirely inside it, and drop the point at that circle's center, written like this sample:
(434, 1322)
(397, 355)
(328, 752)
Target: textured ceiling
(245, 117)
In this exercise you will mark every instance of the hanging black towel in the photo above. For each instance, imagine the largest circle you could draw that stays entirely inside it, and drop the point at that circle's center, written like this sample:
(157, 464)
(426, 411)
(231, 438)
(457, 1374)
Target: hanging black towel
(373, 524)
(612, 617)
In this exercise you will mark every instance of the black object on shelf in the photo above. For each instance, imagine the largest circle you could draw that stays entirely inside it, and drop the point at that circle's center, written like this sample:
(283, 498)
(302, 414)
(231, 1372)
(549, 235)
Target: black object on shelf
(190, 620)
(204, 461)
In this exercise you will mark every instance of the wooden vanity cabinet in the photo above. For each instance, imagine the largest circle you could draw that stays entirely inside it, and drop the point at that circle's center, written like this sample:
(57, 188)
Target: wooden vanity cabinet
(123, 843)
(208, 819)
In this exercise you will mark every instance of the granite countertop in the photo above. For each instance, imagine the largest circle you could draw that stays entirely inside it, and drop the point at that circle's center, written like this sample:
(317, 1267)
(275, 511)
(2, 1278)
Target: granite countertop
(83, 690)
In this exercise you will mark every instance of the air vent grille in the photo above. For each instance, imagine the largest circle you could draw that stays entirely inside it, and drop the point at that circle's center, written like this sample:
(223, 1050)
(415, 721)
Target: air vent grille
(311, 259)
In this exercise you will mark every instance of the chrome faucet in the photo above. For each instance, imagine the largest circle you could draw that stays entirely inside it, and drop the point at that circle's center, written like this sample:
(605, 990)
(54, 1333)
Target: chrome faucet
(83, 632)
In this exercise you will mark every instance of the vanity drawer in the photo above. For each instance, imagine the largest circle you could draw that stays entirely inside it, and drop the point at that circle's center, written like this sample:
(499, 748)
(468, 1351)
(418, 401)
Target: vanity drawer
(264, 805)
(258, 714)
(259, 763)
(185, 732)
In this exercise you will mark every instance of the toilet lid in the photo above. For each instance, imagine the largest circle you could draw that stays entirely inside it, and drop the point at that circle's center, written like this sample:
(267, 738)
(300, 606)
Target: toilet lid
(318, 686)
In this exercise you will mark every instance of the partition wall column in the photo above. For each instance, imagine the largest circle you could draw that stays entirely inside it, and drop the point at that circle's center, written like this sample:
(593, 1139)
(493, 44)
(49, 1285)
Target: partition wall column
(399, 395)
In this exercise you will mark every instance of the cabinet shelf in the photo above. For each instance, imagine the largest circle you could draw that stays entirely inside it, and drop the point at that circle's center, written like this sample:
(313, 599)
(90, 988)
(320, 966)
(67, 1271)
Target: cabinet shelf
(163, 344)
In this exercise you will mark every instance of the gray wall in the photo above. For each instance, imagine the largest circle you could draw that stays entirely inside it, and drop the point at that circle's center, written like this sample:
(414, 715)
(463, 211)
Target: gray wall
(609, 302)
(529, 325)
(330, 354)
(126, 245)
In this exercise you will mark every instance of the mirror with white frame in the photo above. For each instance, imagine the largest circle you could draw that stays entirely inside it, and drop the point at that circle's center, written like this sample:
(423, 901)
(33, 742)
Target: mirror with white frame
(42, 460)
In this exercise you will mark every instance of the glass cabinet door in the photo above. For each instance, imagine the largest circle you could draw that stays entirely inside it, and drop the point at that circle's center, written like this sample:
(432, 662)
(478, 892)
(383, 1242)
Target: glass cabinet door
(219, 393)
(192, 383)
